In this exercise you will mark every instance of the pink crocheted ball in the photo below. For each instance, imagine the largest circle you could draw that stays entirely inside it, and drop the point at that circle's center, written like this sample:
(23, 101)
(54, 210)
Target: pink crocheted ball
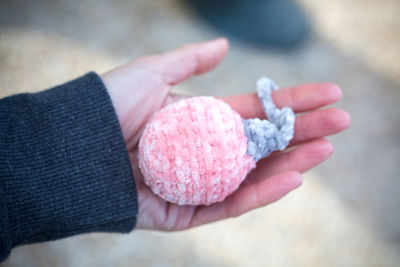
(197, 151)
(194, 152)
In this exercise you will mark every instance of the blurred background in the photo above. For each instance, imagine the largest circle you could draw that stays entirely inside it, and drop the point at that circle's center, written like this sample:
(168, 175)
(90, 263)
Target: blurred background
(347, 211)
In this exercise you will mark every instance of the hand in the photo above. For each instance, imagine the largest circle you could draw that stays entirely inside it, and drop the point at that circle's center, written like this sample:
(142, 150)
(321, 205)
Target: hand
(141, 88)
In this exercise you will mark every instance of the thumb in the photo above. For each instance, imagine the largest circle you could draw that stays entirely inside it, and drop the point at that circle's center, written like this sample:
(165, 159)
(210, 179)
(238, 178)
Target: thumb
(180, 64)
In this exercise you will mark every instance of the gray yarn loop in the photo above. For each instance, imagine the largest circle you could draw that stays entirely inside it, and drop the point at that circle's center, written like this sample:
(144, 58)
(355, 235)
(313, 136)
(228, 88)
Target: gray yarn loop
(267, 136)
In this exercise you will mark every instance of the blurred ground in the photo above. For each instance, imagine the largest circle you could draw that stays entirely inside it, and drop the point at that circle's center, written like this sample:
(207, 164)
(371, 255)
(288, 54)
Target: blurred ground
(347, 211)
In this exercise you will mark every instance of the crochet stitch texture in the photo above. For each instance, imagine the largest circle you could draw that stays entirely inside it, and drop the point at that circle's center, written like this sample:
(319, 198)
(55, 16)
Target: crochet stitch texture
(198, 151)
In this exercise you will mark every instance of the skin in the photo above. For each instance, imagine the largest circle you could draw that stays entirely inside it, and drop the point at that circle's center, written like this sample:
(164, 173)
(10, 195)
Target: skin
(140, 88)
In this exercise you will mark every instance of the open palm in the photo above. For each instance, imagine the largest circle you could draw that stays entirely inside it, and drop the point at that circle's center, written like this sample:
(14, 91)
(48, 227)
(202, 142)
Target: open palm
(141, 88)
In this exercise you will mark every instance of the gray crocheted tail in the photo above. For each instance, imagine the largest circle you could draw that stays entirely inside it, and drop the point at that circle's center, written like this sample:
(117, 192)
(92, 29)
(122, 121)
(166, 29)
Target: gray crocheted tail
(267, 136)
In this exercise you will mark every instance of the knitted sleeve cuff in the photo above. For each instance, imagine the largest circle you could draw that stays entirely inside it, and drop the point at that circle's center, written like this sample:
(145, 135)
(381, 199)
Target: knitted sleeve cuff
(64, 166)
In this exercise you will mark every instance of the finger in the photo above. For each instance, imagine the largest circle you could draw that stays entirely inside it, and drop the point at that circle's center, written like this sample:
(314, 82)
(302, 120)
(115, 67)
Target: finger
(180, 64)
(318, 124)
(299, 98)
(248, 198)
(300, 159)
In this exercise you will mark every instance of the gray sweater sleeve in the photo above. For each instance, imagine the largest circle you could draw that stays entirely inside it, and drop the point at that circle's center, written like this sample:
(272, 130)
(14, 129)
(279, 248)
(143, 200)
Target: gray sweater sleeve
(64, 166)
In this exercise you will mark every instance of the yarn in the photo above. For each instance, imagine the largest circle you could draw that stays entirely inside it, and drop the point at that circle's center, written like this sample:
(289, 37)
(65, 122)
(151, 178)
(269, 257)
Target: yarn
(267, 136)
(198, 151)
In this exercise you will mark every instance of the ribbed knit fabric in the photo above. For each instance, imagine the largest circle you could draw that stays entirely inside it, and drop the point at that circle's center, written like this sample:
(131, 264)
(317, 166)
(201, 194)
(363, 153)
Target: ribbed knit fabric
(64, 167)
